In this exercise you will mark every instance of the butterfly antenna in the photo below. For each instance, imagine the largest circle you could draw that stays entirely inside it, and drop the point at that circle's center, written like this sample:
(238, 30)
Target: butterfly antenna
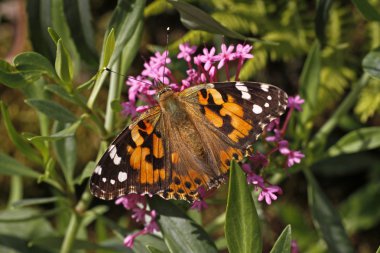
(167, 53)
(128, 77)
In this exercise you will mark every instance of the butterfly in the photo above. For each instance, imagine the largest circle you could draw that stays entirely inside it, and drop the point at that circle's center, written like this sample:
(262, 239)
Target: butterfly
(187, 141)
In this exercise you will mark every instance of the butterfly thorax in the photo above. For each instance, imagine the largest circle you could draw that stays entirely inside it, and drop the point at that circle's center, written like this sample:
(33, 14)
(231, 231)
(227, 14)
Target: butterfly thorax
(174, 113)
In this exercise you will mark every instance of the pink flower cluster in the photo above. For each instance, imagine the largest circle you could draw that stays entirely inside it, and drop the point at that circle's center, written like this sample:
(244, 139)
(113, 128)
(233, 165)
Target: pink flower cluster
(259, 160)
(137, 204)
(202, 68)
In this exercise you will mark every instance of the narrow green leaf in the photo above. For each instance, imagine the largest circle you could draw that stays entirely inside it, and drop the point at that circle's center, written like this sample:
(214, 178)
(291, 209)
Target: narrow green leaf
(310, 75)
(52, 109)
(108, 48)
(242, 226)
(326, 219)
(284, 241)
(18, 140)
(321, 19)
(367, 10)
(371, 63)
(153, 249)
(61, 92)
(78, 16)
(34, 64)
(66, 152)
(11, 77)
(53, 35)
(356, 141)
(378, 250)
(361, 210)
(196, 19)
(65, 133)
(35, 201)
(40, 18)
(86, 173)
(10, 166)
(125, 20)
(63, 63)
(181, 234)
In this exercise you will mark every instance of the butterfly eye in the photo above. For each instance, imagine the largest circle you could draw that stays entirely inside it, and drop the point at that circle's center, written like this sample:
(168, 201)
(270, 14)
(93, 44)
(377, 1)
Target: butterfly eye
(163, 90)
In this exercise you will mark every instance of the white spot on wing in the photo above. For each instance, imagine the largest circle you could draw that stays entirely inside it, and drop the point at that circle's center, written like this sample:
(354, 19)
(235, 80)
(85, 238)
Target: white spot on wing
(269, 97)
(122, 176)
(266, 105)
(264, 87)
(113, 154)
(244, 90)
(112, 181)
(104, 179)
(98, 170)
(257, 109)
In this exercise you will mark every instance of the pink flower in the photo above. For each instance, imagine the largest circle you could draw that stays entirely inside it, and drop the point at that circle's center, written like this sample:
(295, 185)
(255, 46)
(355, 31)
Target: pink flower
(295, 102)
(225, 56)
(129, 108)
(294, 247)
(208, 58)
(130, 201)
(186, 51)
(269, 193)
(200, 204)
(243, 52)
(276, 137)
(292, 156)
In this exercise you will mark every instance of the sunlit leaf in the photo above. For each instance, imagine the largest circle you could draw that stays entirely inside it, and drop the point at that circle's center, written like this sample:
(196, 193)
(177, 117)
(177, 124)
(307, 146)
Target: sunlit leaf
(371, 63)
(181, 234)
(356, 141)
(368, 11)
(242, 226)
(284, 241)
(10, 166)
(63, 63)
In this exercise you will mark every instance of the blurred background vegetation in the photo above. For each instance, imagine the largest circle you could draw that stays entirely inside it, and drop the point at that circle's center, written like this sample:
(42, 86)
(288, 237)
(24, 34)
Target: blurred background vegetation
(344, 37)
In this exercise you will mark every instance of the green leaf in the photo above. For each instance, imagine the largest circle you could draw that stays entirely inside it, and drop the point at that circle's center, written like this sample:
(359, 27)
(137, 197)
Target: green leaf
(39, 17)
(242, 226)
(310, 76)
(326, 219)
(86, 173)
(18, 140)
(61, 92)
(153, 249)
(181, 234)
(378, 250)
(10, 166)
(78, 16)
(284, 241)
(124, 20)
(367, 10)
(361, 210)
(67, 132)
(66, 152)
(35, 201)
(371, 63)
(356, 141)
(108, 49)
(11, 77)
(196, 19)
(53, 35)
(63, 63)
(321, 19)
(52, 109)
(34, 64)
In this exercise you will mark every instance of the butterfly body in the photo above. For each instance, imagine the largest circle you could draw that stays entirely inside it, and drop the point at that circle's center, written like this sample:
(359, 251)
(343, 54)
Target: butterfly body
(187, 141)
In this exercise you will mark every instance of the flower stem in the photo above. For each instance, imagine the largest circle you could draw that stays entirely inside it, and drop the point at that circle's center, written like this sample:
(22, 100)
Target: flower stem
(113, 94)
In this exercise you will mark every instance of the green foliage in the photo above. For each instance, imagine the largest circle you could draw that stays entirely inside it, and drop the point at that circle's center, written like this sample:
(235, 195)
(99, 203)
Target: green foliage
(337, 69)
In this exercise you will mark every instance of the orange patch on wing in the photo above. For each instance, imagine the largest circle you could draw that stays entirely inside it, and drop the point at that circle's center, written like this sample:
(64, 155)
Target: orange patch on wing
(216, 96)
(234, 108)
(214, 118)
(135, 134)
(158, 147)
(174, 157)
(235, 135)
(146, 170)
(226, 157)
(241, 125)
(129, 149)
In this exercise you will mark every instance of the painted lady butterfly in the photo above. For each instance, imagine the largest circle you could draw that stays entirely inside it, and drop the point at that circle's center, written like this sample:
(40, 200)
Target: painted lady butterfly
(187, 141)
